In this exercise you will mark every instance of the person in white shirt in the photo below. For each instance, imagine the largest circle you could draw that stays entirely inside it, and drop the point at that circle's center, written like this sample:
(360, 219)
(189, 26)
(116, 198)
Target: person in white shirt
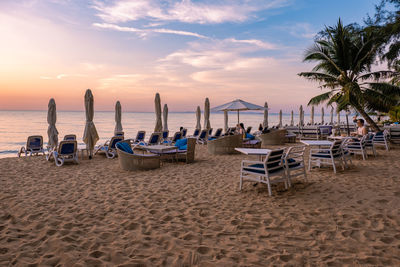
(361, 129)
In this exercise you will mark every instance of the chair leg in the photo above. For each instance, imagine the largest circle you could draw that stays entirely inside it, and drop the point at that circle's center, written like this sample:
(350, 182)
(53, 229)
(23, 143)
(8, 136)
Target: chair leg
(333, 165)
(309, 163)
(269, 187)
(241, 182)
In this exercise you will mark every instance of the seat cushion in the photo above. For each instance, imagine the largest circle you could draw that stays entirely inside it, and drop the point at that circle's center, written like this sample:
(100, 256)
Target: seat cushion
(354, 146)
(324, 155)
(261, 170)
(292, 163)
(125, 147)
(250, 136)
(181, 142)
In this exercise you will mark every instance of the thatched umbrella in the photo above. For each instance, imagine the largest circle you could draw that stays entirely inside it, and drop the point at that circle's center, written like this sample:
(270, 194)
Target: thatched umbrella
(226, 120)
(157, 103)
(118, 115)
(291, 118)
(198, 118)
(322, 115)
(90, 136)
(280, 119)
(312, 115)
(51, 120)
(265, 122)
(165, 117)
(207, 124)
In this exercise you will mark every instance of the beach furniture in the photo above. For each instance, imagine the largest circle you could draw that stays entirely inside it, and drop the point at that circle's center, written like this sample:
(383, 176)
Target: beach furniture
(248, 130)
(294, 162)
(196, 133)
(184, 132)
(327, 153)
(356, 146)
(225, 144)
(269, 171)
(255, 143)
(210, 131)
(109, 147)
(119, 133)
(165, 135)
(176, 137)
(290, 137)
(67, 151)
(34, 146)
(369, 145)
(273, 137)
(394, 134)
(311, 132)
(381, 139)
(217, 134)
(155, 139)
(130, 161)
(187, 154)
(345, 151)
(140, 136)
(202, 137)
(70, 137)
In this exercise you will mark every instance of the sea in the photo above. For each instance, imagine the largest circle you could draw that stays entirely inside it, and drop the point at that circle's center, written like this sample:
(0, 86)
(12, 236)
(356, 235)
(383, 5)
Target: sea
(16, 126)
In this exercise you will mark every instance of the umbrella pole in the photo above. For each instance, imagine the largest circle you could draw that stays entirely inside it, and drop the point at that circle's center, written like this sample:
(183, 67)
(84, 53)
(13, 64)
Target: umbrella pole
(238, 116)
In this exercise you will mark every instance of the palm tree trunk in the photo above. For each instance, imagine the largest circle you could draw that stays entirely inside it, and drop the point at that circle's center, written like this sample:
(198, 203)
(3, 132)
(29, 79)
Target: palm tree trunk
(368, 119)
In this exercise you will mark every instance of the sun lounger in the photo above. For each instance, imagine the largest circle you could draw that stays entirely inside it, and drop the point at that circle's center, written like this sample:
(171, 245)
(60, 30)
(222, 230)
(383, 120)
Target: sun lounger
(140, 137)
(34, 146)
(67, 151)
(109, 147)
(202, 138)
(70, 137)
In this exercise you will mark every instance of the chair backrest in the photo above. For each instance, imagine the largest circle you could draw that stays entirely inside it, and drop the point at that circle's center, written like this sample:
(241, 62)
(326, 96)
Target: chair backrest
(203, 134)
(119, 134)
(177, 136)
(70, 137)
(380, 137)
(165, 134)
(114, 140)
(210, 131)
(154, 138)
(67, 147)
(34, 142)
(248, 130)
(336, 147)
(294, 156)
(196, 132)
(218, 132)
(184, 132)
(274, 160)
(140, 136)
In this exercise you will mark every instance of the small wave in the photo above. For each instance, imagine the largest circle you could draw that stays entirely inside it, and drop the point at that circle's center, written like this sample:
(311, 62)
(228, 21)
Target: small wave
(9, 152)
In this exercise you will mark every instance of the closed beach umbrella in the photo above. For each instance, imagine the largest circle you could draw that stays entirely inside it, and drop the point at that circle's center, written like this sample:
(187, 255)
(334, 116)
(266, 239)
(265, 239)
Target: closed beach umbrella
(157, 102)
(118, 124)
(338, 116)
(312, 115)
(198, 118)
(90, 136)
(291, 118)
(265, 122)
(165, 117)
(331, 115)
(280, 118)
(51, 119)
(207, 124)
(226, 120)
(322, 115)
(301, 115)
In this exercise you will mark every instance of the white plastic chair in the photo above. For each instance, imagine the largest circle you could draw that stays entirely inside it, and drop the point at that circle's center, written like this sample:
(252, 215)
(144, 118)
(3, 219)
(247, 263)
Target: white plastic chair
(327, 156)
(356, 146)
(380, 139)
(294, 162)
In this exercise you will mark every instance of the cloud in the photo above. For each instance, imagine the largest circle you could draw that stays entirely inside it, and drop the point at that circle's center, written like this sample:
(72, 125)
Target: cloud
(302, 30)
(145, 32)
(61, 76)
(188, 11)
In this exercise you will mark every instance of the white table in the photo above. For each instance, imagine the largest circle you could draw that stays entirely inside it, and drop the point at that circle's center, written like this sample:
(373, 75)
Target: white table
(317, 142)
(338, 137)
(254, 151)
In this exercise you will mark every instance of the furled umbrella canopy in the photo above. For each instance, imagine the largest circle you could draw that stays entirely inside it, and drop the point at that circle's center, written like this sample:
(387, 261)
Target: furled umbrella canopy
(90, 136)
(51, 119)
(312, 116)
(118, 117)
(291, 118)
(198, 118)
(338, 116)
(226, 120)
(301, 116)
(165, 117)
(207, 124)
(322, 115)
(331, 115)
(265, 122)
(157, 102)
(280, 118)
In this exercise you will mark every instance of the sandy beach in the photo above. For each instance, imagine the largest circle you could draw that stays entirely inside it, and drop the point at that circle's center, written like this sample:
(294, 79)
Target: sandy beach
(95, 214)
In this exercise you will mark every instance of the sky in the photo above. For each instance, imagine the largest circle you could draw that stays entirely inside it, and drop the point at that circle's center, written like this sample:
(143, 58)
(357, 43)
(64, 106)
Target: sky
(186, 50)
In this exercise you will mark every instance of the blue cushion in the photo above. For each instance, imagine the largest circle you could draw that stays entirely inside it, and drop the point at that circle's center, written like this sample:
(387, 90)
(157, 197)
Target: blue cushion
(183, 147)
(181, 142)
(261, 171)
(67, 148)
(250, 136)
(292, 161)
(211, 138)
(125, 147)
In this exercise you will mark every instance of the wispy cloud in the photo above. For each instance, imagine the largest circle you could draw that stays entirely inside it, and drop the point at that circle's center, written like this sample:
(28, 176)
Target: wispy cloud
(206, 12)
(61, 76)
(145, 32)
(301, 29)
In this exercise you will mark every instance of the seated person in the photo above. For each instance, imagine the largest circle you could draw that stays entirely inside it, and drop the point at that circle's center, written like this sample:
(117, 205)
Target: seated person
(361, 129)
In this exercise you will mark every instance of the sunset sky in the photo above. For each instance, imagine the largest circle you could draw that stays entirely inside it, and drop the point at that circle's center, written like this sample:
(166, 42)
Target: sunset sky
(185, 50)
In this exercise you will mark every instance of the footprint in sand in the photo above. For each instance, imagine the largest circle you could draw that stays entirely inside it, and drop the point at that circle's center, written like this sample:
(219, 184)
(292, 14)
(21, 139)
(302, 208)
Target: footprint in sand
(203, 250)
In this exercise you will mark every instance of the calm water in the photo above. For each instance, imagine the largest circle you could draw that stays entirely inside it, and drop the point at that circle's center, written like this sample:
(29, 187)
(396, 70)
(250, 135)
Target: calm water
(16, 126)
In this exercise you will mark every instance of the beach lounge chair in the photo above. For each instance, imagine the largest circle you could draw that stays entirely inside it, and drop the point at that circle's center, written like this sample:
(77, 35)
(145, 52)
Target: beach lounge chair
(70, 137)
(155, 139)
(34, 146)
(356, 146)
(67, 151)
(269, 171)
(381, 139)
(248, 130)
(119, 134)
(109, 147)
(210, 132)
(184, 132)
(196, 133)
(165, 135)
(130, 161)
(202, 138)
(294, 162)
(140, 137)
(327, 155)
(217, 134)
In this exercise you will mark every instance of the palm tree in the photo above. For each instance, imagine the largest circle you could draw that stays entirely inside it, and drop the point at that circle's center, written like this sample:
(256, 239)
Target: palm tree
(344, 56)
